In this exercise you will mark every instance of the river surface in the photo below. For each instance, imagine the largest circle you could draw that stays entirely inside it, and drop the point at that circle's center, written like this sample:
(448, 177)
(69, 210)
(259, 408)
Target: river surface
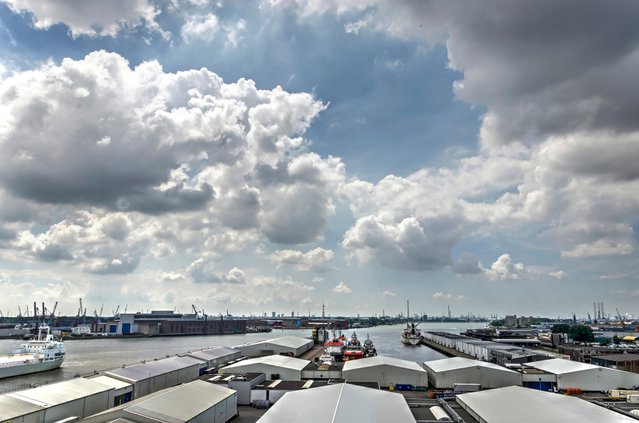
(87, 356)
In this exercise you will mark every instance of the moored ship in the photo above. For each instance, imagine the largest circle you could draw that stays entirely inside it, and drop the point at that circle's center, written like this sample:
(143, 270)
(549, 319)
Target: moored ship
(37, 355)
(411, 335)
(354, 349)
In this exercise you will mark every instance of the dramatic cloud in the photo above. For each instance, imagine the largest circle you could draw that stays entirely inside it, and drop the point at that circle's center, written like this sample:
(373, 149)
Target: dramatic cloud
(201, 140)
(203, 271)
(342, 288)
(201, 26)
(506, 269)
(89, 17)
(316, 260)
(467, 263)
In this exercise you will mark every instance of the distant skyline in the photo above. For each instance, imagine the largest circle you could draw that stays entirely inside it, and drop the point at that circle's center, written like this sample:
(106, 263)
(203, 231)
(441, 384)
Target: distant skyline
(274, 155)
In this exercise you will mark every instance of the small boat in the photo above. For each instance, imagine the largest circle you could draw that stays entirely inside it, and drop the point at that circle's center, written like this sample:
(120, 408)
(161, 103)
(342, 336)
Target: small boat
(38, 355)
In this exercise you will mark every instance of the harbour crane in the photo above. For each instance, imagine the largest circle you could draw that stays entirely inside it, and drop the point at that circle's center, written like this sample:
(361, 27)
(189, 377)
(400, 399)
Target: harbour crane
(115, 312)
(19, 312)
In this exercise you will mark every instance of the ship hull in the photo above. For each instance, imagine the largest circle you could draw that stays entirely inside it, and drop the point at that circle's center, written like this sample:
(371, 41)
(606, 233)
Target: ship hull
(28, 368)
(410, 340)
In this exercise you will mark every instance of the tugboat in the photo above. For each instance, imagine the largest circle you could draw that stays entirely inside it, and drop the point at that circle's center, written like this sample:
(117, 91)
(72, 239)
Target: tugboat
(38, 355)
(354, 349)
(369, 348)
(335, 346)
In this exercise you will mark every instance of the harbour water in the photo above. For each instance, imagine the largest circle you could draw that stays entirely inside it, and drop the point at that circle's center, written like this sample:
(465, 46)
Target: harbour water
(87, 356)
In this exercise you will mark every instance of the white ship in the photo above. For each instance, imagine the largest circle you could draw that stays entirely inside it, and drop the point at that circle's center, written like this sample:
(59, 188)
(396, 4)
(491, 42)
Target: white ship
(411, 335)
(38, 355)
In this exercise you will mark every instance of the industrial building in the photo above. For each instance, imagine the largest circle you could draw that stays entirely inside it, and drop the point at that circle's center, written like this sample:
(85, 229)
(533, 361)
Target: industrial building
(445, 373)
(273, 366)
(588, 377)
(523, 405)
(289, 345)
(272, 391)
(151, 376)
(76, 397)
(169, 323)
(625, 362)
(320, 370)
(386, 371)
(194, 402)
(18, 411)
(242, 383)
(216, 357)
(339, 403)
(121, 392)
(494, 352)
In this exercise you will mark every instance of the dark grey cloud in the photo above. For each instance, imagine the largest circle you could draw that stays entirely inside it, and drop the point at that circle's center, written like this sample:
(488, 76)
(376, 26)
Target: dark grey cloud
(467, 263)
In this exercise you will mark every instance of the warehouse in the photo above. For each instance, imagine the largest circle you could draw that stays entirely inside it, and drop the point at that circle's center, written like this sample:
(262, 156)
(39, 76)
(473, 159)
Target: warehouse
(320, 370)
(386, 371)
(270, 392)
(216, 357)
(120, 393)
(588, 377)
(242, 383)
(72, 398)
(293, 346)
(197, 401)
(445, 373)
(273, 366)
(17, 411)
(339, 403)
(158, 374)
(523, 405)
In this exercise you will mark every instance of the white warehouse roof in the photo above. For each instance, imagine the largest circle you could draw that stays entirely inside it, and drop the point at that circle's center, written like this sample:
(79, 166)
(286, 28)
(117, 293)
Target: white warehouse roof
(457, 363)
(181, 403)
(380, 360)
(447, 372)
(153, 368)
(286, 341)
(272, 360)
(12, 408)
(339, 403)
(524, 405)
(61, 392)
(214, 353)
(111, 382)
(559, 366)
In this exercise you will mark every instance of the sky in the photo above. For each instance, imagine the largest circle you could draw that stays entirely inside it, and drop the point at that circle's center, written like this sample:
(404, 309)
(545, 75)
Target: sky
(276, 155)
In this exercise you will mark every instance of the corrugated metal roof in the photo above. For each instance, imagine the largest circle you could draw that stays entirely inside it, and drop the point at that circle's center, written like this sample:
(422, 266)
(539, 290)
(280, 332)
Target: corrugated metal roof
(524, 405)
(149, 369)
(340, 403)
(10, 408)
(111, 382)
(62, 392)
(559, 366)
(181, 403)
(381, 360)
(273, 360)
(214, 353)
(286, 341)
(456, 363)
